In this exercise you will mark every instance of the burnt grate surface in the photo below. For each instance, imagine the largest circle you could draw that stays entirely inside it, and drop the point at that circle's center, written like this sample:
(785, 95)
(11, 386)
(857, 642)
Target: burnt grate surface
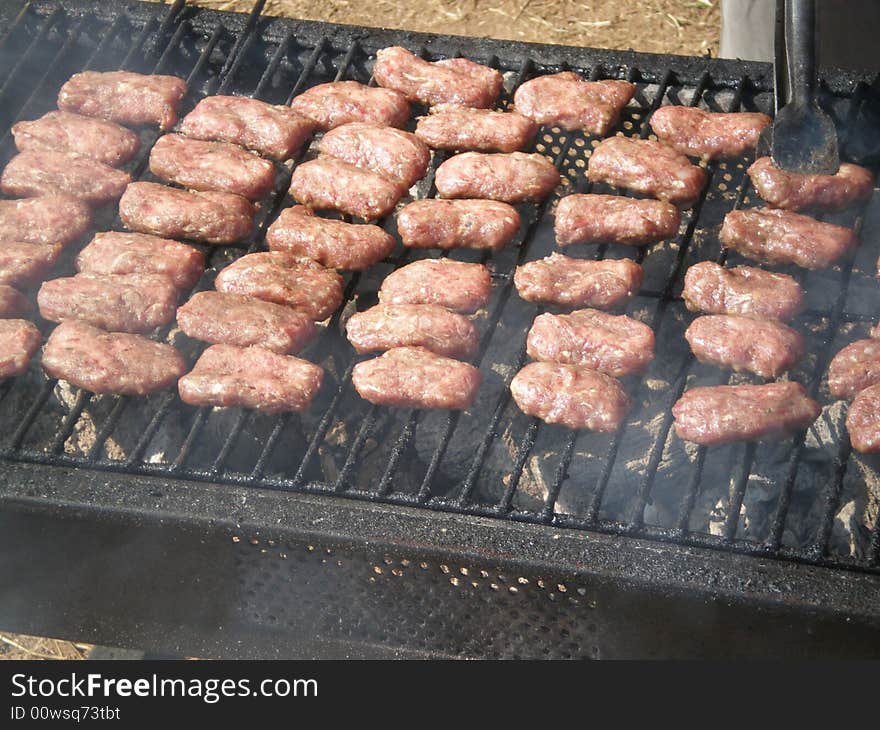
(808, 499)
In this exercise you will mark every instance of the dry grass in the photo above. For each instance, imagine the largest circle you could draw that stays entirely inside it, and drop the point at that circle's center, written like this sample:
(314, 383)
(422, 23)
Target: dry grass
(19, 646)
(690, 27)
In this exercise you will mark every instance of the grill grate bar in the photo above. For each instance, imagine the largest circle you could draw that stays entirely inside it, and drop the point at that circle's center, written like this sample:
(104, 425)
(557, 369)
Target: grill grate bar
(107, 428)
(70, 419)
(638, 512)
(874, 551)
(138, 42)
(239, 48)
(408, 431)
(260, 466)
(734, 507)
(16, 22)
(559, 477)
(507, 290)
(397, 451)
(697, 475)
(357, 446)
(141, 446)
(832, 492)
(27, 421)
(37, 43)
(137, 169)
(62, 52)
(229, 442)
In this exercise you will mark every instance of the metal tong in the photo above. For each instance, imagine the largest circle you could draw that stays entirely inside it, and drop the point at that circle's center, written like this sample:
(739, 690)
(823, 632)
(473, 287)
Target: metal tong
(802, 137)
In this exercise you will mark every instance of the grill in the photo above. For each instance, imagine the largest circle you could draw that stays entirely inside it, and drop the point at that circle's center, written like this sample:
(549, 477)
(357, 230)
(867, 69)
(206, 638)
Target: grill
(393, 518)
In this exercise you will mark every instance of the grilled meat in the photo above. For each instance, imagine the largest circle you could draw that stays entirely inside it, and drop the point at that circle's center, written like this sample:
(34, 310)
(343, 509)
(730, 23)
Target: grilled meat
(284, 279)
(614, 345)
(569, 282)
(783, 237)
(571, 395)
(455, 285)
(332, 243)
(124, 97)
(614, 219)
(251, 377)
(232, 319)
(514, 177)
(744, 290)
(221, 166)
(711, 135)
(97, 139)
(210, 217)
(450, 224)
(104, 362)
(414, 377)
(386, 326)
(725, 413)
(570, 102)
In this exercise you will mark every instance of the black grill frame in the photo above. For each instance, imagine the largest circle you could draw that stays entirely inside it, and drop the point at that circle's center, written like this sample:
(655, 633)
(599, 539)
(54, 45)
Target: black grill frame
(76, 485)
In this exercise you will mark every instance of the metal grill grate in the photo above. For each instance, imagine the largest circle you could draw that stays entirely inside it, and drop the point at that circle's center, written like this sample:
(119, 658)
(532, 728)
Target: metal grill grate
(808, 499)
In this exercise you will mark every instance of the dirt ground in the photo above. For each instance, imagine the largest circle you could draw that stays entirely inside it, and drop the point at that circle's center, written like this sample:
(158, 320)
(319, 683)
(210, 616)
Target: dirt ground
(690, 27)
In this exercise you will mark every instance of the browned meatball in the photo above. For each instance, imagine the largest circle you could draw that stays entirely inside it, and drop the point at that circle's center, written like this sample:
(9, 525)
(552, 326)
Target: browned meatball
(115, 302)
(765, 347)
(386, 326)
(105, 362)
(284, 279)
(19, 340)
(275, 131)
(783, 237)
(514, 177)
(330, 184)
(724, 413)
(450, 224)
(782, 189)
(455, 285)
(568, 101)
(414, 377)
(452, 127)
(140, 253)
(614, 345)
(231, 319)
(745, 290)
(124, 97)
(707, 134)
(13, 304)
(614, 219)
(450, 81)
(647, 167)
(569, 282)
(40, 171)
(571, 395)
(342, 102)
(51, 219)
(221, 166)
(251, 377)
(863, 421)
(854, 368)
(391, 152)
(98, 139)
(332, 243)
(26, 263)
(210, 217)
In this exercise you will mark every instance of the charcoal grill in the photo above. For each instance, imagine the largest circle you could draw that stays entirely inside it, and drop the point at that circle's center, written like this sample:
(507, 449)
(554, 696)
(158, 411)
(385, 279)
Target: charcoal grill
(354, 530)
